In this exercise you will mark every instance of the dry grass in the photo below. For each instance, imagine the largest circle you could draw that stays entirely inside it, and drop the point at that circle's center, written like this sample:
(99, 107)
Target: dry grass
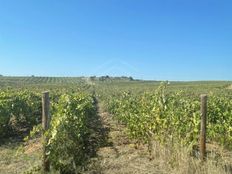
(33, 147)
(124, 157)
(13, 161)
(229, 87)
(119, 155)
(177, 160)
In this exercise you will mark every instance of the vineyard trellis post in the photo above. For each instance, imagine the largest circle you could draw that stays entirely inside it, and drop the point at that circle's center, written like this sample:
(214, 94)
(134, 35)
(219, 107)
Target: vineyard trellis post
(203, 127)
(45, 125)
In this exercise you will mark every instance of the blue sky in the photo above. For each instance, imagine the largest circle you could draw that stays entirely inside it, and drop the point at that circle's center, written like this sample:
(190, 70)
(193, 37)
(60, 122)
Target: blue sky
(149, 39)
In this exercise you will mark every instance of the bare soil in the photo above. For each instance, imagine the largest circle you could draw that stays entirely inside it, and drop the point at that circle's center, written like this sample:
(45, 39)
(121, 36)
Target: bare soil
(110, 151)
(118, 155)
(115, 153)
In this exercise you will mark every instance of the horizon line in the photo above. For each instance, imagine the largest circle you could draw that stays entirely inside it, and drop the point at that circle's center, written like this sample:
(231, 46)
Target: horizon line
(135, 79)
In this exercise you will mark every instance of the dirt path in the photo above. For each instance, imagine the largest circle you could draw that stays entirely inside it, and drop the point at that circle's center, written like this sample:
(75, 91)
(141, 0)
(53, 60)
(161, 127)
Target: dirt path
(117, 154)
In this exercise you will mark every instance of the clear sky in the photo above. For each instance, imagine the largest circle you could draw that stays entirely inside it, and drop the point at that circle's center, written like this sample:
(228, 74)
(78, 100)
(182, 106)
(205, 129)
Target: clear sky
(149, 39)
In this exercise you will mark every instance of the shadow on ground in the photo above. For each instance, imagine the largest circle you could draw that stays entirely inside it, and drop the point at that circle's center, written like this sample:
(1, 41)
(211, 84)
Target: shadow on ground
(98, 138)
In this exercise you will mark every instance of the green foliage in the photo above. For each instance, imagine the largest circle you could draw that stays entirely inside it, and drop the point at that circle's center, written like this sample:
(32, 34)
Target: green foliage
(18, 111)
(69, 133)
(220, 119)
(34, 133)
(149, 111)
(173, 116)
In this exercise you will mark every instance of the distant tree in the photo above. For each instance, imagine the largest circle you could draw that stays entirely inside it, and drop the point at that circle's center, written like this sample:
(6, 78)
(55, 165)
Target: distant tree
(131, 78)
(93, 78)
(32, 75)
(1, 75)
(104, 78)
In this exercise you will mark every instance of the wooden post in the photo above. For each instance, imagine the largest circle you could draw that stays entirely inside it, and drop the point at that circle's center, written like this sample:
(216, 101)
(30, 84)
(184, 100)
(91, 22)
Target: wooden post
(45, 125)
(203, 127)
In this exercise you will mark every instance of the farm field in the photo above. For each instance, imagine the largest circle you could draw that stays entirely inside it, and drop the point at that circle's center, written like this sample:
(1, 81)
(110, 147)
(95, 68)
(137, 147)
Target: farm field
(114, 126)
(115, 87)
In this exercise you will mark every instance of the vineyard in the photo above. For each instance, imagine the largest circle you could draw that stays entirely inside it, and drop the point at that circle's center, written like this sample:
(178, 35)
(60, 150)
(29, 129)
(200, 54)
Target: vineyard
(173, 116)
(158, 119)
